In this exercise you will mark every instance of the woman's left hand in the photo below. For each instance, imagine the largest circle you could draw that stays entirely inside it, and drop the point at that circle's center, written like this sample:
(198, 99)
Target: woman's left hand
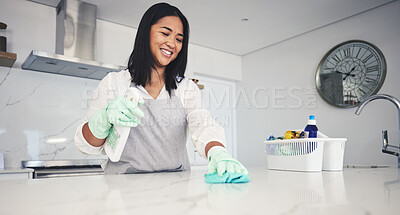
(221, 161)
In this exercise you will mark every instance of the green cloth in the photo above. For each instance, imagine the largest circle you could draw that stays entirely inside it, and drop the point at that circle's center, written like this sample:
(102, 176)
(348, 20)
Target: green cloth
(214, 178)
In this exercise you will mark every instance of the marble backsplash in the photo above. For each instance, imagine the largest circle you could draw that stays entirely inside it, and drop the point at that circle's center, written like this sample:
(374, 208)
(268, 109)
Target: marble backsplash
(39, 113)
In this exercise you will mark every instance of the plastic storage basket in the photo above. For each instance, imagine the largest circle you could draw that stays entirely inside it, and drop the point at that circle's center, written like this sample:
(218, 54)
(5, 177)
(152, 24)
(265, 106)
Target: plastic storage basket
(295, 154)
(333, 154)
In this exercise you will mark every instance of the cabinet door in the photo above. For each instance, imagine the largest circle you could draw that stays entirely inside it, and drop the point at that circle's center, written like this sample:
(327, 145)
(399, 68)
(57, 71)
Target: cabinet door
(218, 96)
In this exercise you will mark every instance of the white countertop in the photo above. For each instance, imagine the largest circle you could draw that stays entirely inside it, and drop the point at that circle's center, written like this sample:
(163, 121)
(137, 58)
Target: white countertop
(352, 191)
(15, 170)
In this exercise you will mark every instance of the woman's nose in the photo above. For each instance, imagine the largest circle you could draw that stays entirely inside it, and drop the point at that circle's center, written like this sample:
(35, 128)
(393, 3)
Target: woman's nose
(171, 42)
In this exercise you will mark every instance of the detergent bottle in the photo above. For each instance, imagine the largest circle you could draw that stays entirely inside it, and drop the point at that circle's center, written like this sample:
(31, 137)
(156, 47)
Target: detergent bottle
(311, 129)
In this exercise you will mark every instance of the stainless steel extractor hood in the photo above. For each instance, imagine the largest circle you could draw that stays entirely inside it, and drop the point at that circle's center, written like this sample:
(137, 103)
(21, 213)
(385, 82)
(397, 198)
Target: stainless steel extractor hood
(75, 44)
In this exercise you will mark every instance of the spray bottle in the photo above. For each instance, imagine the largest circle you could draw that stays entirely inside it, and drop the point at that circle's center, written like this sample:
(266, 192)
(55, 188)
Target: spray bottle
(116, 140)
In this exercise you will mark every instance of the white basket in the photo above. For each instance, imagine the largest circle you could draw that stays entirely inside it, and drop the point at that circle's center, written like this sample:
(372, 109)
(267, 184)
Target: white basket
(295, 154)
(333, 154)
(329, 156)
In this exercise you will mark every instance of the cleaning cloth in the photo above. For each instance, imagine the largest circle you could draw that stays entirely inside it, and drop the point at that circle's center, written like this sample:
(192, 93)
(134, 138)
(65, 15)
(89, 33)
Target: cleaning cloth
(214, 178)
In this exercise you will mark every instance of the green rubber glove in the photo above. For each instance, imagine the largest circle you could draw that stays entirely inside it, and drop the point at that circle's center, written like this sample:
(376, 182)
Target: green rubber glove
(121, 111)
(219, 160)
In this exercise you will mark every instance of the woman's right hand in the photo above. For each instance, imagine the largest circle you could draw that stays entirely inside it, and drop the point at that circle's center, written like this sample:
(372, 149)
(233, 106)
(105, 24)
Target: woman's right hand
(121, 111)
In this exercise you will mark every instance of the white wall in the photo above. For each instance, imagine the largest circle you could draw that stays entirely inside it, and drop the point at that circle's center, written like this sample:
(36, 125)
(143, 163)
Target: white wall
(214, 63)
(283, 75)
(36, 107)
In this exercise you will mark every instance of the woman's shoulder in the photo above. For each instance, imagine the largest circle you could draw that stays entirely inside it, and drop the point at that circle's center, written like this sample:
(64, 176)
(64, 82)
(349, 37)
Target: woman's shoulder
(186, 83)
(116, 80)
(186, 88)
(124, 74)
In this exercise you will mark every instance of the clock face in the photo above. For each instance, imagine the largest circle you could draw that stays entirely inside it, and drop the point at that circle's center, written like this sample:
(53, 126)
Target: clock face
(350, 72)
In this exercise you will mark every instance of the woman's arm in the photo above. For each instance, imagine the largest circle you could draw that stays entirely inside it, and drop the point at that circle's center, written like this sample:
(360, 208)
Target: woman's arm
(205, 131)
(212, 144)
(90, 138)
(207, 136)
(84, 139)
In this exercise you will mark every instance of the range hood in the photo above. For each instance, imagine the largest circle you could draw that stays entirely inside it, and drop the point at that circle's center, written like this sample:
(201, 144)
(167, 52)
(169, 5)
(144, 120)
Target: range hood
(75, 44)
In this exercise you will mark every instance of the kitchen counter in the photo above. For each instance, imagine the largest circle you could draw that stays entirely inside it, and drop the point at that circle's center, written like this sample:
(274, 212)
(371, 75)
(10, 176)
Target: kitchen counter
(20, 173)
(351, 191)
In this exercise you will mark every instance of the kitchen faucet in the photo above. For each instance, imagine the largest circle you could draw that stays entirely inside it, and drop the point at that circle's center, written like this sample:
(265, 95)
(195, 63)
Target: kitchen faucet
(386, 147)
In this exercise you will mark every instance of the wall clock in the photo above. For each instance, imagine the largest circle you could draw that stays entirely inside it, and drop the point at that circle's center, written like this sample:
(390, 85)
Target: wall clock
(350, 72)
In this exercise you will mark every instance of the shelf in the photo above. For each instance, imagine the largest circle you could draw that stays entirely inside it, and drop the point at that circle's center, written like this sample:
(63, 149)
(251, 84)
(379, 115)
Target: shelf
(7, 59)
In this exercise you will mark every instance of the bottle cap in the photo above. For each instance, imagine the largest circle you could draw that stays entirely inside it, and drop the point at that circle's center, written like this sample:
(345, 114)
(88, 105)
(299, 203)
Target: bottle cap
(311, 120)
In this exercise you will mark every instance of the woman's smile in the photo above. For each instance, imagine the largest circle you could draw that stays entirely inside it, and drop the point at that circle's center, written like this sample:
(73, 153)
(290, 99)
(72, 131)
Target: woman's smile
(166, 52)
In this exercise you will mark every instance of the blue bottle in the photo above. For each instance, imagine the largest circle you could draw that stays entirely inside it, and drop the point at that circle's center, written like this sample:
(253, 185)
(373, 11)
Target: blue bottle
(311, 128)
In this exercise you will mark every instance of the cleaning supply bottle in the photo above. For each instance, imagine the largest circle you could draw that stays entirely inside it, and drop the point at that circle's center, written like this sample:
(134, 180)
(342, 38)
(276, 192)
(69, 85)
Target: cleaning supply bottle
(116, 141)
(311, 129)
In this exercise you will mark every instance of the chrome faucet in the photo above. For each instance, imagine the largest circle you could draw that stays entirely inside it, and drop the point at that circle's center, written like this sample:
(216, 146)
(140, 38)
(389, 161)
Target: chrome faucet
(386, 147)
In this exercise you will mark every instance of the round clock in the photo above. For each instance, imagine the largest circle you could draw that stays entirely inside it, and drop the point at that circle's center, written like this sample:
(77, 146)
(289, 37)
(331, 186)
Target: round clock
(350, 72)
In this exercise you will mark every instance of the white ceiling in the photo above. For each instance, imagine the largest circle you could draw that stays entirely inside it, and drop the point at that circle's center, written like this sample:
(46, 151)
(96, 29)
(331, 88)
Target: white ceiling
(217, 23)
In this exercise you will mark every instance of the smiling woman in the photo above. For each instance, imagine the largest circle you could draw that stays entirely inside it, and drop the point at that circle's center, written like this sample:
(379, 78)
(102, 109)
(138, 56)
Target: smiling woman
(160, 24)
(165, 105)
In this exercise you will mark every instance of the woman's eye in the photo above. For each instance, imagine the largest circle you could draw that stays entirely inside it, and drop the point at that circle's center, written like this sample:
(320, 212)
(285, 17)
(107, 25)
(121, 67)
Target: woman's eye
(179, 40)
(165, 34)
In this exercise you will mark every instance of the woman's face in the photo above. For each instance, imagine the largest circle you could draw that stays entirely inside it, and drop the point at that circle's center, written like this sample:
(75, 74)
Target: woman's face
(166, 38)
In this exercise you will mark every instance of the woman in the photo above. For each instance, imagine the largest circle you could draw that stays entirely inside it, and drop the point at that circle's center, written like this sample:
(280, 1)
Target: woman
(167, 105)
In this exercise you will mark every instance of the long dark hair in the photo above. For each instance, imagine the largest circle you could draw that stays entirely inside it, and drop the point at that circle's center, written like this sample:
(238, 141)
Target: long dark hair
(141, 61)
